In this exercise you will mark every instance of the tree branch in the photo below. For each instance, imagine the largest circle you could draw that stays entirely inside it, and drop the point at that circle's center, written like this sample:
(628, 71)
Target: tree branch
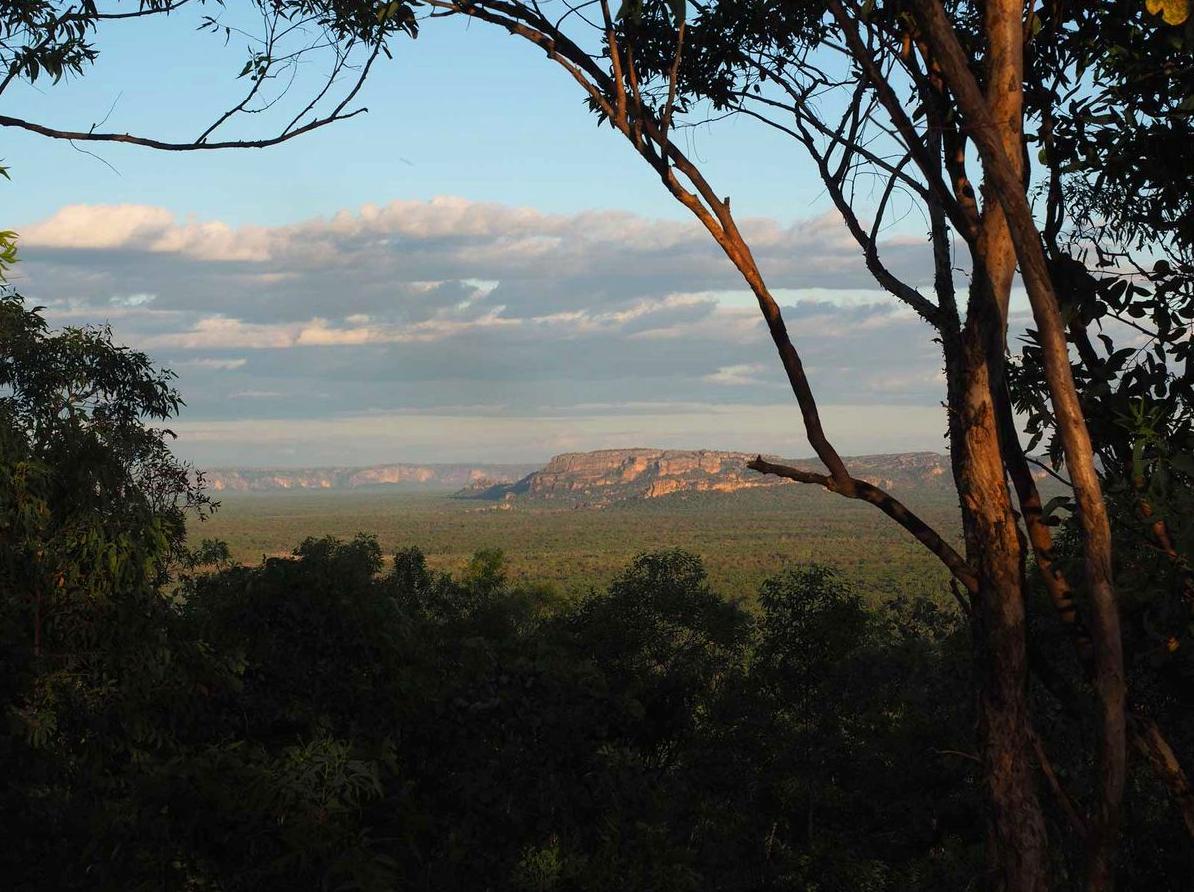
(128, 138)
(886, 503)
(928, 165)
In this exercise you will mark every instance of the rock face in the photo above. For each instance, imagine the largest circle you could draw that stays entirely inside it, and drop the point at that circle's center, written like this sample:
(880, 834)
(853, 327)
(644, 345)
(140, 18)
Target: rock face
(424, 477)
(611, 475)
(585, 478)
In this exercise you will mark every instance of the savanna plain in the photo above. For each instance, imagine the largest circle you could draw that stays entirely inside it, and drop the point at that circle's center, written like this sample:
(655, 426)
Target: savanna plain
(742, 537)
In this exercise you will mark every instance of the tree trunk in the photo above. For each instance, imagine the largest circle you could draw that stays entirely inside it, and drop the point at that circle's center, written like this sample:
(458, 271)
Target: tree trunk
(1005, 180)
(1018, 842)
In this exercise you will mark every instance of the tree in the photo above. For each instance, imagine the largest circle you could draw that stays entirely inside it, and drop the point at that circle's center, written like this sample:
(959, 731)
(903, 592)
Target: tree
(92, 511)
(286, 42)
(125, 769)
(94, 503)
(965, 72)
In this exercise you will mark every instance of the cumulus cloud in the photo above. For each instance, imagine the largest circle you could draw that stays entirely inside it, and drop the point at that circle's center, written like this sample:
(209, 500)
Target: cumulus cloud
(208, 362)
(416, 305)
(414, 259)
(737, 375)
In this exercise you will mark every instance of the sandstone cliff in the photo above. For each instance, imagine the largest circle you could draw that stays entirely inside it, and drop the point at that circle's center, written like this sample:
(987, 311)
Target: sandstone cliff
(611, 475)
(586, 478)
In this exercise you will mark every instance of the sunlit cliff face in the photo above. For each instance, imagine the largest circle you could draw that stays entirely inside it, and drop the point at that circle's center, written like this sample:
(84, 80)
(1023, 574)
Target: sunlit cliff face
(611, 475)
(604, 476)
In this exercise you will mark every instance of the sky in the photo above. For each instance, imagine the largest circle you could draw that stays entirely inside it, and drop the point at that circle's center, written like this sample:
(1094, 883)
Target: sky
(472, 271)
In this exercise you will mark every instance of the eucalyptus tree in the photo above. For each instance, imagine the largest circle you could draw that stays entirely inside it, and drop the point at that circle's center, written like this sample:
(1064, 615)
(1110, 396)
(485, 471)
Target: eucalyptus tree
(919, 95)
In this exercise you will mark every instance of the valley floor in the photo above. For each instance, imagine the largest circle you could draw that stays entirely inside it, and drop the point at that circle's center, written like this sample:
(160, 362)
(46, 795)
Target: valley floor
(742, 537)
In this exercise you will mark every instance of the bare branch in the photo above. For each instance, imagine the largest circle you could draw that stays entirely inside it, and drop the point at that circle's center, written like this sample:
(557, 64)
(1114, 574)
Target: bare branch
(1059, 793)
(1048, 470)
(820, 127)
(904, 292)
(928, 165)
(90, 136)
(283, 46)
(890, 506)
(673, 78)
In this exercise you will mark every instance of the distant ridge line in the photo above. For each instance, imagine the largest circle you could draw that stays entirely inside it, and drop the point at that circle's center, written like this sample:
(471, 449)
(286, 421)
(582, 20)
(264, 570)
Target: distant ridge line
(596, 477)
(605, 476)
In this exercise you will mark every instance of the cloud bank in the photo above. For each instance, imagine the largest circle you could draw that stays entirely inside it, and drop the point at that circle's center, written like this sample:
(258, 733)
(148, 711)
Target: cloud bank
(448, 319)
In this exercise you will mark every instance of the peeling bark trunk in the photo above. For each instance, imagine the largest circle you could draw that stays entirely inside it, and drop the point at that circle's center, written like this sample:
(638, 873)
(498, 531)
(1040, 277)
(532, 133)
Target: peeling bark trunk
(1017, 823)
(1006, 186)
(1018, 841)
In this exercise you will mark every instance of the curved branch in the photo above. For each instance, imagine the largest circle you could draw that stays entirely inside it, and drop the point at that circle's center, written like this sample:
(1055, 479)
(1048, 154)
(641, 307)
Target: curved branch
(870, 249)
(889, 505)
(828, 132)
(895, 110)
(148, 142)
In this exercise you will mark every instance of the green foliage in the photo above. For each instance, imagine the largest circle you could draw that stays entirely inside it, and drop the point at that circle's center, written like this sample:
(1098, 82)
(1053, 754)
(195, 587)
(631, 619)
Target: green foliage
(96, 489)
(324, 724)
(486, 572)
(8, 240)
(1120, 131)
(50, 39)
(92, 509)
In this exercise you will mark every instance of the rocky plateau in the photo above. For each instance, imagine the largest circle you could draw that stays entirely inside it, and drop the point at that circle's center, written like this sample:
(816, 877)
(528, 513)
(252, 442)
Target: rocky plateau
(586, 478)
(612, 475)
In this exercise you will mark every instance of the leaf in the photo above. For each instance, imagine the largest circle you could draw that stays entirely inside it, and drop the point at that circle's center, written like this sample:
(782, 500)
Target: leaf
(1174, 12)
(1056, 503)
(679, 9)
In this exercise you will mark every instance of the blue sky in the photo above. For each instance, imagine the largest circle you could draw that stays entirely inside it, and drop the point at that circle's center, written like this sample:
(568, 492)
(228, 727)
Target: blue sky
(472, 271)
(462, 110)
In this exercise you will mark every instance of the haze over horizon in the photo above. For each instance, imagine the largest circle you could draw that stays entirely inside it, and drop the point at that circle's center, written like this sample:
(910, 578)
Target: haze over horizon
(538, 463)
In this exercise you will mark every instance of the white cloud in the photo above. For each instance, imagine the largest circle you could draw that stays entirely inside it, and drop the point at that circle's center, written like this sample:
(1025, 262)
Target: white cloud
(132, 300)
(208, 362)
(97, 227)
(254, 395)
(422, 305)
(89, 227)
(480, 244)
(737, 375)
